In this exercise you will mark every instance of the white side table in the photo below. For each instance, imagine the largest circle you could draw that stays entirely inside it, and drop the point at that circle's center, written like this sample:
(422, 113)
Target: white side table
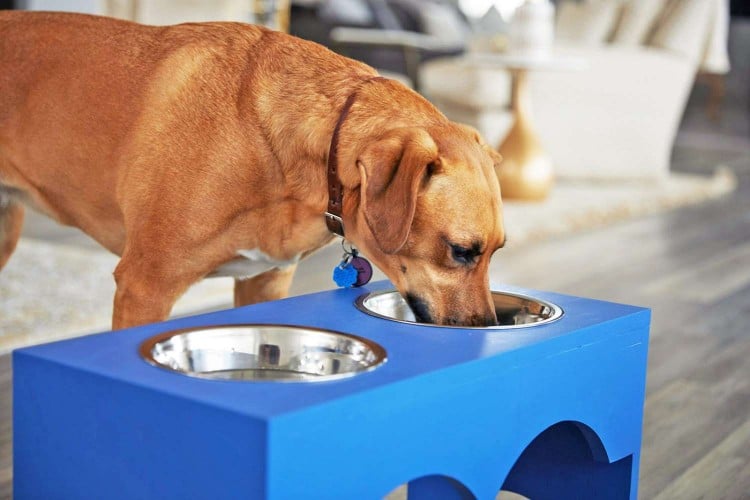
(526, 172)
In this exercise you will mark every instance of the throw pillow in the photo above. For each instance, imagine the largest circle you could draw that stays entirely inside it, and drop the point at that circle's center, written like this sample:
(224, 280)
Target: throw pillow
(346, 13)
(684, 28)
(445, 22)
(589, 22)
(439, 18)
(637, 20)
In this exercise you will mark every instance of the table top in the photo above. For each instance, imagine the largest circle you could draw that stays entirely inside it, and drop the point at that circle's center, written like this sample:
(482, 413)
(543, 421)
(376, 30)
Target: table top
(414, 351)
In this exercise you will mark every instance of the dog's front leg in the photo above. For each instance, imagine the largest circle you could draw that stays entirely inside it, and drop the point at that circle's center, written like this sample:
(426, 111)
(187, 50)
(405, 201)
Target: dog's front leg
(270, 285)
(11, 221)
(147, 289)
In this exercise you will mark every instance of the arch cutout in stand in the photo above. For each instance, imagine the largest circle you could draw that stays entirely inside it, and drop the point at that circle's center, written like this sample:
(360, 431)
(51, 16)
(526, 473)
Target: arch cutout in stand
(568, 460)
(432, 487)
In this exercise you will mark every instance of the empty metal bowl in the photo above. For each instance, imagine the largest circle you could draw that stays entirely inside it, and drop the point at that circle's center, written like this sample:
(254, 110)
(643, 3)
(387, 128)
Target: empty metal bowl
(262, 353)
(513, 310)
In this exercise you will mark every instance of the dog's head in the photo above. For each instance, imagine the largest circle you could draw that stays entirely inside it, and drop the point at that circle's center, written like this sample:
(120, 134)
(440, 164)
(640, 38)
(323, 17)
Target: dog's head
(429, 215)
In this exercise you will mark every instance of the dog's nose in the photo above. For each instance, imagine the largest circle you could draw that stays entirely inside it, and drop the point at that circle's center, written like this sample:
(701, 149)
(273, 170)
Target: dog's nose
(484, 320)
(420, 308)
(490, 320)
(473, 320)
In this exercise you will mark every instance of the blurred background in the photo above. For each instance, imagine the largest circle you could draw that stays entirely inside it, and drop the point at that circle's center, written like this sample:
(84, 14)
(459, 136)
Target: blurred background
(625, 128)
(631, 64)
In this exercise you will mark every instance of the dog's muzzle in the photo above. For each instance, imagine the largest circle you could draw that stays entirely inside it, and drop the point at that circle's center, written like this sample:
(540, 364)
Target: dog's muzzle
(420, 308)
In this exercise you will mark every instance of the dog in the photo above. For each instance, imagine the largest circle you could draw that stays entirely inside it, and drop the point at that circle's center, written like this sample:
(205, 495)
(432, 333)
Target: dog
(207, 148)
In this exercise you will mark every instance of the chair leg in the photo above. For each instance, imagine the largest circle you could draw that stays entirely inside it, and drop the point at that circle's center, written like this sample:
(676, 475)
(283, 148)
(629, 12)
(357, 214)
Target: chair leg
(717, 90)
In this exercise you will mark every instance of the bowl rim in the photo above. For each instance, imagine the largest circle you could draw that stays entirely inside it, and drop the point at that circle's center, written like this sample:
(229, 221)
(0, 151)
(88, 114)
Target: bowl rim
(145, 350)
(557, 312)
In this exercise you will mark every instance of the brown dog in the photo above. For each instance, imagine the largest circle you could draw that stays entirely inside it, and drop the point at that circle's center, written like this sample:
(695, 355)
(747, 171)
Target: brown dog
(195, 149)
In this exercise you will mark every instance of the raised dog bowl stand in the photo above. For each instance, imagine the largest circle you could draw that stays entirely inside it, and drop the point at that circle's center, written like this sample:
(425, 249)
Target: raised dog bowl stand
(549, 411)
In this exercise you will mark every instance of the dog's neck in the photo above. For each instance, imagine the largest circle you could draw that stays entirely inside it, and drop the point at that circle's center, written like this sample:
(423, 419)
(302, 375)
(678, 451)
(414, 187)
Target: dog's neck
(334, 213)
(379, 106)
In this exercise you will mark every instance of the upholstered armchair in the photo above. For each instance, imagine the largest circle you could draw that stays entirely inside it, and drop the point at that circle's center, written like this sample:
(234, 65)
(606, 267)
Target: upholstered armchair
(618, 118)
(394, 36)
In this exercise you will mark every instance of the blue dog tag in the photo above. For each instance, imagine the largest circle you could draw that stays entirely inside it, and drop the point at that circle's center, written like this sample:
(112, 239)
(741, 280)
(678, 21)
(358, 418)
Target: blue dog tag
(353, 270)
(345, 275)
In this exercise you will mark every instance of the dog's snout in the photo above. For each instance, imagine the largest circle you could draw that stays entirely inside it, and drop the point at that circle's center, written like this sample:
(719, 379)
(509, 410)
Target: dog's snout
(473, 320)
(423, 314)
(486, 320)
(420, 308)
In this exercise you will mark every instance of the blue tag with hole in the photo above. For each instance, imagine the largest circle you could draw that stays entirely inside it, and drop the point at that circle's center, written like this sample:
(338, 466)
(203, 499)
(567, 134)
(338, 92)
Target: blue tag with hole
(345, 275)
(353, 270)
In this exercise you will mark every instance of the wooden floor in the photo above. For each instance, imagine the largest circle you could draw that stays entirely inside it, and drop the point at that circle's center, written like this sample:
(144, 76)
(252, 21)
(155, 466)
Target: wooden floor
(692, 267)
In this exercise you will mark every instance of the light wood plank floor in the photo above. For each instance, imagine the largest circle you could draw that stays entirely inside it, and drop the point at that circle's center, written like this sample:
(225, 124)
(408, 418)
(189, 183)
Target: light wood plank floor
(691, 266)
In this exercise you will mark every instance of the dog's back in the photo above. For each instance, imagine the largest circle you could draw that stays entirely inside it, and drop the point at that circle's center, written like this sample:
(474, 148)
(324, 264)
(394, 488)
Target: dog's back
(63, 57)
(99, 80)
(73, 89)
(68, 90)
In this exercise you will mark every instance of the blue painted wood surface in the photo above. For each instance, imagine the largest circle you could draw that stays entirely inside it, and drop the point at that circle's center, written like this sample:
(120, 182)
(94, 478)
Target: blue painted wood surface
(454, 412)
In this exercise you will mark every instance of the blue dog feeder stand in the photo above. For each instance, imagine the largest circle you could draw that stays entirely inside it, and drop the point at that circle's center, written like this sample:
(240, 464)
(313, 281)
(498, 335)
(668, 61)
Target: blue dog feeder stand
(550, 411)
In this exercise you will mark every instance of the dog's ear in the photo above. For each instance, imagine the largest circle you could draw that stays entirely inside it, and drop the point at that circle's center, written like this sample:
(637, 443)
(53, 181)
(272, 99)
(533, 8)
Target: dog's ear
(391, 171)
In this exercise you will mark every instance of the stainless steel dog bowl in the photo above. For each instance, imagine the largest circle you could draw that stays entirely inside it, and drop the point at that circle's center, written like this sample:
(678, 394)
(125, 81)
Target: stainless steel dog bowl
(262, 353)
(513, 310)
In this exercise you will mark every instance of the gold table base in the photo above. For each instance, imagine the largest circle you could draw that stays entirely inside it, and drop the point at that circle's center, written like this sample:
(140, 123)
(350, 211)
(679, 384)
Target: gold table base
(526, 171)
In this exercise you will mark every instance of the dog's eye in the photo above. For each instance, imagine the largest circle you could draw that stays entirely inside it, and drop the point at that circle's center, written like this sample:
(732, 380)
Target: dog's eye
(464, 255)
(431, 167)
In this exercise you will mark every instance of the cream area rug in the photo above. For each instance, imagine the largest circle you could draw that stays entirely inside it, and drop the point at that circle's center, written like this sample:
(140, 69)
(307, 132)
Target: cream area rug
(52, 291)
(575, 206)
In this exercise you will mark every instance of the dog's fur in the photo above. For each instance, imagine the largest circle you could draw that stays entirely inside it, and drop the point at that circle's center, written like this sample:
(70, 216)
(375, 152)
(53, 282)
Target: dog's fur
(180, 148)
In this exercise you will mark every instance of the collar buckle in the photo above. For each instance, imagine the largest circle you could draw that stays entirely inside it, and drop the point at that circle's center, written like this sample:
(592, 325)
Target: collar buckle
(335, 223)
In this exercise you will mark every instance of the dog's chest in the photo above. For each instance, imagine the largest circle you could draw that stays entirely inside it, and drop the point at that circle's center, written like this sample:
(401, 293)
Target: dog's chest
(250, 263)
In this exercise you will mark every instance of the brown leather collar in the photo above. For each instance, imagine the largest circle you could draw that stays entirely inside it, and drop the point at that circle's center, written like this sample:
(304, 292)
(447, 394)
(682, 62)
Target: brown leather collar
(335, 189)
